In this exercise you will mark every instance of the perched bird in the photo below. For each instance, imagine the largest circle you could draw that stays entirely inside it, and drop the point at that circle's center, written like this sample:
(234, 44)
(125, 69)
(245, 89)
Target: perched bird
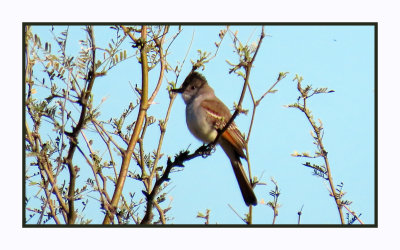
(205, 115)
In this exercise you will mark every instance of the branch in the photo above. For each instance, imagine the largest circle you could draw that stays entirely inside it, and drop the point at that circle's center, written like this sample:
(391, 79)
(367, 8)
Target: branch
(43, 163)
(255, 104)
(73, 137)
(138, 126)
(178, 162)
(160, 212)
(318, 138)
(247, 67)
(159, 44)
(102, 190)
(205, 57)
(150, 197)
(354, 214)
(97, 125)
(299, 213)
(274, 204)
(245, 221)
(163, 127)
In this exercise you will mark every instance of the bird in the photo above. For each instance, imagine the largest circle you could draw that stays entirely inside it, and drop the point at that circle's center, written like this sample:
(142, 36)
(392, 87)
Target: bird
(205, 116)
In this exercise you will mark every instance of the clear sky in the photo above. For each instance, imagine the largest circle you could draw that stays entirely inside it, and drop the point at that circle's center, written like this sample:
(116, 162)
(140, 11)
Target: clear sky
(337, 57)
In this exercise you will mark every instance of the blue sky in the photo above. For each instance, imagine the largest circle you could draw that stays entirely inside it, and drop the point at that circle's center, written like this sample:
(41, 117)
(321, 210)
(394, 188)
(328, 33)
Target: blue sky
(337, 57)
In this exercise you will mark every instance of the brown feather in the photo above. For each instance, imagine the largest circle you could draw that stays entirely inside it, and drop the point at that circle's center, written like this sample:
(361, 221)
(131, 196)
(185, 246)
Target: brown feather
(232, 134)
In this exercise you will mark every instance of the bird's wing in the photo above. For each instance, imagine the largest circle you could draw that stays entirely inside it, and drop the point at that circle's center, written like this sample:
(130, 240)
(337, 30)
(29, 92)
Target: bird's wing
(219, 115)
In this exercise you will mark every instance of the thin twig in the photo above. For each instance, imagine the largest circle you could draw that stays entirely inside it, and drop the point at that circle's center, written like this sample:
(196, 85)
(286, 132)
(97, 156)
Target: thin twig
(159, 44)
(102, 191)
(107, 142)
(237, 214)
(129, 210)
(354, 214)
(274, 204)
(163, 127)
(184, 59)
(299, 213)
(280, 77)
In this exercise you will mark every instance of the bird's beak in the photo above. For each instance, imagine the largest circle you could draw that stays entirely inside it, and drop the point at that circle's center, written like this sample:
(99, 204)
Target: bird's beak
(180, 90)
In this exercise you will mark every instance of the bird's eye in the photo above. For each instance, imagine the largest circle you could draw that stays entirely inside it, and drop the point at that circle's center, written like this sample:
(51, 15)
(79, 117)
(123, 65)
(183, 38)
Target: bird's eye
(193, 87)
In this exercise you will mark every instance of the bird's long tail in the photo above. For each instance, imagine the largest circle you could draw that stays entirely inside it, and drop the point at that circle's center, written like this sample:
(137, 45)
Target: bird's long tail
(247, 191)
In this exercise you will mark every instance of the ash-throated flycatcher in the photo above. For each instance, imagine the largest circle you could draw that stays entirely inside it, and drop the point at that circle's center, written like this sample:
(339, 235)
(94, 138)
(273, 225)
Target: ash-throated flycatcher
(205, 113)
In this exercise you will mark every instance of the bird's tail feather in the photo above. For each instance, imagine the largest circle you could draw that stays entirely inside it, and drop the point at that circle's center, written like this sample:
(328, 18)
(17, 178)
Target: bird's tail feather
(244, 184)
